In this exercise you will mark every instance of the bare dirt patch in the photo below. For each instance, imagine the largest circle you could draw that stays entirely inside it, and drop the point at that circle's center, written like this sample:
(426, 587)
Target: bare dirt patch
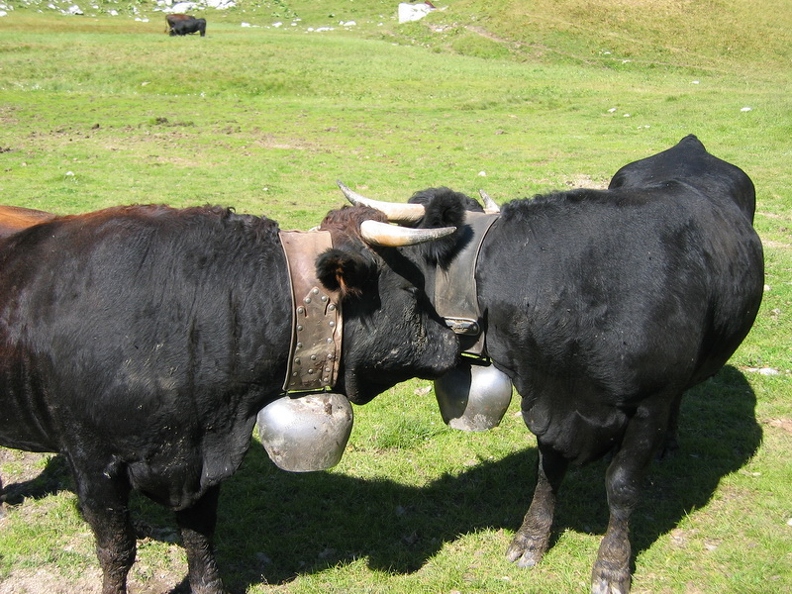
(31, 474)
(783, 424)
(769, 243)
(43, 581)
(582, 180)
(36, 475)
(20, 466)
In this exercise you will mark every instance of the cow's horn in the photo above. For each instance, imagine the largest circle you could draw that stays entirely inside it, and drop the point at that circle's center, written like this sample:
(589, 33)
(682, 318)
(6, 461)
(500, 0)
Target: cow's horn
(490, 207)
(396, 212)
(376, 233)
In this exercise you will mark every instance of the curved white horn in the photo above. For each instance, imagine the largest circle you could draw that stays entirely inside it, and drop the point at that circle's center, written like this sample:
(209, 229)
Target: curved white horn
(490, 206)
(396, 212)
(376, 233)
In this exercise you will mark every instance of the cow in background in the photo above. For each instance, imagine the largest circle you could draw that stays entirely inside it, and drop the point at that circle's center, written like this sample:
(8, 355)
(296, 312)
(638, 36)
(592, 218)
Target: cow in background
(188, 27)
(172, 19)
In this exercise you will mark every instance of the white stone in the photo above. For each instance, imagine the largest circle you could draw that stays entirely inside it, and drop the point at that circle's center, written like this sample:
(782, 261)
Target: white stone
(183, 7)
(413, 12)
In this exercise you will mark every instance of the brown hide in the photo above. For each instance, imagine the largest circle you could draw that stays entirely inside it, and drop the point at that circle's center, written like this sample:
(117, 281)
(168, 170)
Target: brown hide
(16, 218)
(175, 18)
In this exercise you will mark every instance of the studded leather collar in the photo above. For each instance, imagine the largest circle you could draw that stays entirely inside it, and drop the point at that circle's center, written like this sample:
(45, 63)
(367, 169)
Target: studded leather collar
(315, 352)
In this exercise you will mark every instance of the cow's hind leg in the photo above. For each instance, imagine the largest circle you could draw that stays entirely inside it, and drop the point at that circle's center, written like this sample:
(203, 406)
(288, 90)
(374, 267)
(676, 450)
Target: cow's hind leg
(197, 525)
(645, 433)
(533, 538)
(104, 502)
(671, 443)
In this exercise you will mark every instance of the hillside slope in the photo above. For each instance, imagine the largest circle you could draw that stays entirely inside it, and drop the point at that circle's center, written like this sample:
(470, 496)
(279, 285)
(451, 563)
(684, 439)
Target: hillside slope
(714, 35)
(710, 34)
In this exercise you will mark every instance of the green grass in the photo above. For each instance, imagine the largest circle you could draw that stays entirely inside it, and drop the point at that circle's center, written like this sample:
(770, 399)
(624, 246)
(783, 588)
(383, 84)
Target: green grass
(514, 97)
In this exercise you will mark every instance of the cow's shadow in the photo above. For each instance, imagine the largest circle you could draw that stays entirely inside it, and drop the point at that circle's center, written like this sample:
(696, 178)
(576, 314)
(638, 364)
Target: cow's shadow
(54, 478)
(275, 525)
(283, 533)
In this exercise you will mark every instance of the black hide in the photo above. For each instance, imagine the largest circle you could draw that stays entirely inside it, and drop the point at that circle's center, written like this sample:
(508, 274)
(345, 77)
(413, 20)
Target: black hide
(140, 342)
(604, 306)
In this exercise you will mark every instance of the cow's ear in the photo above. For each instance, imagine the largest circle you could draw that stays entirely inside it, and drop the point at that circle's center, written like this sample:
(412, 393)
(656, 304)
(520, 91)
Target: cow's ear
(447, 209)
(344, 271)
(444, 208)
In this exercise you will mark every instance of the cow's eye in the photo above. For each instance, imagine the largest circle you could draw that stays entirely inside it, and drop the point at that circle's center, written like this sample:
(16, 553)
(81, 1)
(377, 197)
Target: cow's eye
(413, 291)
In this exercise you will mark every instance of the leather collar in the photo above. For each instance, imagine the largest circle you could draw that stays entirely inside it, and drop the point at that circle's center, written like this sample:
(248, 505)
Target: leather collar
(315, 351)
(455, 287)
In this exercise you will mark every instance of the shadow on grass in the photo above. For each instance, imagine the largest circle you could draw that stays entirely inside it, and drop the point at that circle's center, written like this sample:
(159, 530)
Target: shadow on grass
(54, 478)
(275, 525)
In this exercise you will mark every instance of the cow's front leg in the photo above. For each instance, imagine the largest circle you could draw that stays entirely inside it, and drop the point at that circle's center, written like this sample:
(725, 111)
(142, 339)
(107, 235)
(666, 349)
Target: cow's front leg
(533, 537)
(104, 502)
(197, 525)
(645, 433)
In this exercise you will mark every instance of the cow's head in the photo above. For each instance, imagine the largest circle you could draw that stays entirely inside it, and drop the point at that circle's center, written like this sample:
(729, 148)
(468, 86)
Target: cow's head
(428, 209)
(472, 397)
(391, 331)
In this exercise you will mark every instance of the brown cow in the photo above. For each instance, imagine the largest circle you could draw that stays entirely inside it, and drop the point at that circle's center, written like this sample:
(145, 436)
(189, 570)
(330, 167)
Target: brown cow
(16, 218)
(176, 18)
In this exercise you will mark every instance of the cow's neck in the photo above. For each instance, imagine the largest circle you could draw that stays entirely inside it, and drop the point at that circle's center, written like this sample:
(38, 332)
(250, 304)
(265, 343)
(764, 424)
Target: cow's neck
(315, 352)
(455, 288)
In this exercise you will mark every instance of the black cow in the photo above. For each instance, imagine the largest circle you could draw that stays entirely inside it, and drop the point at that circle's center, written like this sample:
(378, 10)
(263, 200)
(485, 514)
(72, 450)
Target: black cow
(172, 19)
(140, 342)
(603, 307)
(188, 27)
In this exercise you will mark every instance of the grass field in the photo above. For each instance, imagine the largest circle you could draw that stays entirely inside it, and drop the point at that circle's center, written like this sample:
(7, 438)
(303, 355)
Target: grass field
(514, 97)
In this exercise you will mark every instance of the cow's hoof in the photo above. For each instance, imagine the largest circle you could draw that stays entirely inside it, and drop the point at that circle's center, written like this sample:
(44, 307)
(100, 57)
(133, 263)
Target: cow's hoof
(526, 552)
(610, 581)
(603, 587)
(214, 587)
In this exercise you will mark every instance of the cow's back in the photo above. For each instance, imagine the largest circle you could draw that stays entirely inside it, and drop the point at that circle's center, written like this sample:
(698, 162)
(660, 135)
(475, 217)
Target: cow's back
(16, 218)
(689, 162)
(132, 325)
(597, 299)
